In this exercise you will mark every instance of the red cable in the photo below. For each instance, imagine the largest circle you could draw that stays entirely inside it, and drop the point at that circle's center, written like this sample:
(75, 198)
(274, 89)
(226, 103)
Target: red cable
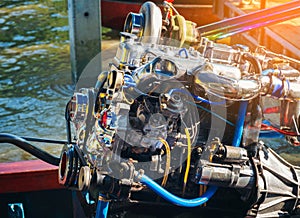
(272, 110)
(267, 127)
(295, 143)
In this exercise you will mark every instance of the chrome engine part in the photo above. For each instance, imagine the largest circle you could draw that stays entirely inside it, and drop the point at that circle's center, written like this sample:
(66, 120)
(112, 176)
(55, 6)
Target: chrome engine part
(185, 116)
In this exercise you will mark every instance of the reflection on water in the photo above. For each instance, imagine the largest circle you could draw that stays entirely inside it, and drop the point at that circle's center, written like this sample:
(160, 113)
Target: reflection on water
(35, 80)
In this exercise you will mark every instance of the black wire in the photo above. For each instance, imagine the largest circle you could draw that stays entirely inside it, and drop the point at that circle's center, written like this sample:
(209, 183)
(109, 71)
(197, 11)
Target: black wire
(68, 124)
(50, 141)
(26, 146)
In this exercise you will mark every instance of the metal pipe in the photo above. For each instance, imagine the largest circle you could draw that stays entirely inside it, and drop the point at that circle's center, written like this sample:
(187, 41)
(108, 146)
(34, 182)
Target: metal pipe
(257, 24)
(246, 17)
(280, 88)
(231, 26)
(255, 62)
(26, 146)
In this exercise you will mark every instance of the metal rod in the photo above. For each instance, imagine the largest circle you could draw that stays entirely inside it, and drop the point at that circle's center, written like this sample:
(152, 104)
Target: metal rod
(250, 25)
(246, 17)
(250, 21)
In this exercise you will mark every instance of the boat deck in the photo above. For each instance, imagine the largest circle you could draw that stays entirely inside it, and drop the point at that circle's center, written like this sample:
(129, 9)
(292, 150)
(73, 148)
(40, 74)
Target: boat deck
(289, 30)
(281, 38)
(35, 175)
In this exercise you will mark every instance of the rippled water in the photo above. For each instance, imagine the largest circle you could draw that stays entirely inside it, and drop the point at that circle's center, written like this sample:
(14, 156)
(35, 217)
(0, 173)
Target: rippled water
(35, 78)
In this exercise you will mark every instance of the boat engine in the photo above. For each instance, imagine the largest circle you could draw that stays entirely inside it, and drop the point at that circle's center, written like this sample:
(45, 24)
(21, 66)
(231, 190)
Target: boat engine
(172, 119)
(180, 120)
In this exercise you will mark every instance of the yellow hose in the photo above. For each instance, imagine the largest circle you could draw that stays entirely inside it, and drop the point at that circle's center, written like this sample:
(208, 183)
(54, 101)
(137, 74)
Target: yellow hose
(188, 159)
(168, 161)
(126, 100)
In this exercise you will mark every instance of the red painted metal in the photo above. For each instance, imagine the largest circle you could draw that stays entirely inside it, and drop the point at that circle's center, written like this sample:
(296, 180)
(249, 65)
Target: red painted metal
(114, 12)
(199, 14)
(26, 176)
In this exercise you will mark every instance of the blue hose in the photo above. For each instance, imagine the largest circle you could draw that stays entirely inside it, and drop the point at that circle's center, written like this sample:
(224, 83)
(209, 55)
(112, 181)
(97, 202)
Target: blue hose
(270, 134)
(129, 81)
(212, 189)
(177, 200)
(102, 207)
(240, 124)
(197, 97)
(209, 102)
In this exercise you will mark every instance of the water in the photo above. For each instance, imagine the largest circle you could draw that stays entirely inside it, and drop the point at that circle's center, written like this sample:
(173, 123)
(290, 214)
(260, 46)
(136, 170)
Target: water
(35, 78)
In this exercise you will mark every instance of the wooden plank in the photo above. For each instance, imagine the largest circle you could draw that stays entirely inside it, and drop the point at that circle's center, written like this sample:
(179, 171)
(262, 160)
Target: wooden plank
(280, 38)
(288, 33)
(289, 43)
(26, 176)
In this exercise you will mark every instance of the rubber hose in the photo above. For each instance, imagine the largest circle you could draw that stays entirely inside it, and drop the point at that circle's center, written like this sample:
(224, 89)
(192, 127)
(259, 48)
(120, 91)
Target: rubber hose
(26, 146)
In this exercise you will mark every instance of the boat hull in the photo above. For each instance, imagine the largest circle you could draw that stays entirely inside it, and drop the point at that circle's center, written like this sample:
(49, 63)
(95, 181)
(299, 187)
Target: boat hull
(27, 176)
(113, 13)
